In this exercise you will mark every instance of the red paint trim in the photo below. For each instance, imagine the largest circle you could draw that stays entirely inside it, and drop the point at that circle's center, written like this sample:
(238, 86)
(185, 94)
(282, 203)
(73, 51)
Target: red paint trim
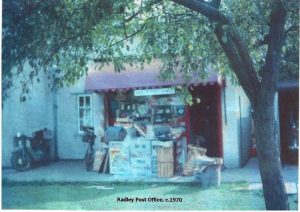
(187, 124)
(107, 117)
(219, 121)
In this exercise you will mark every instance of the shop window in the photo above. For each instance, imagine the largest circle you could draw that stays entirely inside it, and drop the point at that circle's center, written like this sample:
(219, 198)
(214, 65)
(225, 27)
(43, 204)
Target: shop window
(159, 109)
(84, 111)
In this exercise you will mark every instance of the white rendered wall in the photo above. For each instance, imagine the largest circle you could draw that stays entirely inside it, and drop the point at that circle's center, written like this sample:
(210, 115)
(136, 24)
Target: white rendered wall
(70, 145)
(236, 125)
(25, 117)
(38, 112)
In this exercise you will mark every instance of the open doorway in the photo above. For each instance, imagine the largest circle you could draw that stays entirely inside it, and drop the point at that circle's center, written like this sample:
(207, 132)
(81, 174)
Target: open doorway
(289, 124)
(206, 119)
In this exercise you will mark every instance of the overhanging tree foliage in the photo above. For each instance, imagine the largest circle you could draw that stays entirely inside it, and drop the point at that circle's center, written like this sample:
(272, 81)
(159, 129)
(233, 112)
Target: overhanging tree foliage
(250, 41)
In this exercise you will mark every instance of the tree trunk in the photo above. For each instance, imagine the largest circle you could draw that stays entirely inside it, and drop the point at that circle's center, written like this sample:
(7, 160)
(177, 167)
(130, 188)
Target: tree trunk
(259, 86)
(268, 152)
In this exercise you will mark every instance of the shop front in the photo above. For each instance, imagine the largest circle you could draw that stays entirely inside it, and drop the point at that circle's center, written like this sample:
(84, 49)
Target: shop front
(149, 126)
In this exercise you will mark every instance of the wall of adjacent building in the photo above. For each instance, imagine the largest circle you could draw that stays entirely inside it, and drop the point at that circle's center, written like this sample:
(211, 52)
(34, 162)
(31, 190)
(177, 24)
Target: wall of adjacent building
(236, 126)
(56, 111)
(25, 117)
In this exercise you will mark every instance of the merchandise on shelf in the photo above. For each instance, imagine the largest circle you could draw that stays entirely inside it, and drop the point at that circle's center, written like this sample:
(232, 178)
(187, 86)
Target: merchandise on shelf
(155, 138)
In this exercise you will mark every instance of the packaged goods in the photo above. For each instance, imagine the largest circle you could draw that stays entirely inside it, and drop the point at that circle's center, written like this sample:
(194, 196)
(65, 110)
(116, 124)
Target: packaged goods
(194, 153)
(115, 133)
(119, 158)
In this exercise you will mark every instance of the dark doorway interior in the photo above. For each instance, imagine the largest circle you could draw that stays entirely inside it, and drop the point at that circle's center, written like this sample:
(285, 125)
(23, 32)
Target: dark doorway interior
(288, 113)
(205, 118)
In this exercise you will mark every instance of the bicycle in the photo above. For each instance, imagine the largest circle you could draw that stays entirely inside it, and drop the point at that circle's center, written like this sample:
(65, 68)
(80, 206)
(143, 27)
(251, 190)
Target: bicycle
(89, 137)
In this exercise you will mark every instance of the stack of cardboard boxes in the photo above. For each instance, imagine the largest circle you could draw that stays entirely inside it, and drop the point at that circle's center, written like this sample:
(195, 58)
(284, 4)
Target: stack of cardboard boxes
(140, 154)
(119, 158)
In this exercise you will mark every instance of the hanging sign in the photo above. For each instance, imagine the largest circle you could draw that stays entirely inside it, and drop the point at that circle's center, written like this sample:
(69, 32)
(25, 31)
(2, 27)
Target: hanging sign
(152, 92)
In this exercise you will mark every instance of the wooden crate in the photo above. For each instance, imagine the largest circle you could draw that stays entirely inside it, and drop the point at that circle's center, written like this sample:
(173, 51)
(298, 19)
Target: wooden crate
(165, 169)
(165, 154)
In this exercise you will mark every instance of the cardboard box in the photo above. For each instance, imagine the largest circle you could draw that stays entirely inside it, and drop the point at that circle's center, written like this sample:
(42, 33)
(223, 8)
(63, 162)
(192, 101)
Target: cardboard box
(141, 172)
(154, 165)
(140, 147)
(140, 166)
(119, 158)
(140, 162)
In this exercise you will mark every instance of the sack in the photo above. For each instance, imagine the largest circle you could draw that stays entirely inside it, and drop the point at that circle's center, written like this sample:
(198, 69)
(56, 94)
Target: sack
(194, 153)
(115, 133)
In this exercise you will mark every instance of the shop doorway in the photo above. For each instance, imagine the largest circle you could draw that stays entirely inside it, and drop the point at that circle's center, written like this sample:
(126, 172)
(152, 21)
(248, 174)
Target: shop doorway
(206, 118)
(289, 124)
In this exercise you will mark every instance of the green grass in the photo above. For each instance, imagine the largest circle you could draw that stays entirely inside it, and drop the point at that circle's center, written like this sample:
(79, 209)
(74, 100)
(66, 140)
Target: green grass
(74, 196)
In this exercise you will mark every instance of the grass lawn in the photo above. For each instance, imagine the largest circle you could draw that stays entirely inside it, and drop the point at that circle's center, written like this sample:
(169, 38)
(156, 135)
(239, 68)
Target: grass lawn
(83, 196)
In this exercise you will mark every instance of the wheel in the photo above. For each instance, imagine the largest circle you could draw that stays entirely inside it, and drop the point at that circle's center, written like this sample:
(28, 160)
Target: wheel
(20, 161)
(89, 160)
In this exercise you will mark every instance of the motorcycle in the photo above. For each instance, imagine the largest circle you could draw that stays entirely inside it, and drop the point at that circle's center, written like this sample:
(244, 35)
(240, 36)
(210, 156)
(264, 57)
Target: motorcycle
(89, 138)
(30, 151)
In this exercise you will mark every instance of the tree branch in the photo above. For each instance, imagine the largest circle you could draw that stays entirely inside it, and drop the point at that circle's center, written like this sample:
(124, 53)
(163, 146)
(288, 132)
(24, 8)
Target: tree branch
(270, 70)
(212, 3)
(148, 6)
(120, 41)
(63, 44)
(266, 39)
(205, 9)
(292, 28)
(262, 42)
(239, 59)
(231, 42)
(244, 54)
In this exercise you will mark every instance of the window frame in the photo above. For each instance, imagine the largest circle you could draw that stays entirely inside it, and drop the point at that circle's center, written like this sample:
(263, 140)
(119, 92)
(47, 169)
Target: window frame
(84, 107)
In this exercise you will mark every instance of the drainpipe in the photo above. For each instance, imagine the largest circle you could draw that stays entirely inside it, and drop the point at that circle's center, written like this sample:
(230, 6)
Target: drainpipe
(225, 107)
(241, 135)
(55, 126)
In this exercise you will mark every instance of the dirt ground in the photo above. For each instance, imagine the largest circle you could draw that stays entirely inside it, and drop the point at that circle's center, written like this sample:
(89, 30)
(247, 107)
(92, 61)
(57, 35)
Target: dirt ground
(121, 196)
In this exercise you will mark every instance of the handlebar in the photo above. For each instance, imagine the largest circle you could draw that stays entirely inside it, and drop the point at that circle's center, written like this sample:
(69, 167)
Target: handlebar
(88, 129)
(89, 135)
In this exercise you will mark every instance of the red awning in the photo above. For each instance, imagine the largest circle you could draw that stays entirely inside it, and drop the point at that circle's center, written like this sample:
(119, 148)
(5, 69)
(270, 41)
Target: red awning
(133, 78)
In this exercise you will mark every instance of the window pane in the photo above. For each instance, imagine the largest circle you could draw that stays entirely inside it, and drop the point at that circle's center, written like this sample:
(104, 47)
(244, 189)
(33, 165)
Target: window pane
(87, 101)
(81, 125)
(87, 111)
(81, 101)
(84, 110)
(87, 116)
(81, 113)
